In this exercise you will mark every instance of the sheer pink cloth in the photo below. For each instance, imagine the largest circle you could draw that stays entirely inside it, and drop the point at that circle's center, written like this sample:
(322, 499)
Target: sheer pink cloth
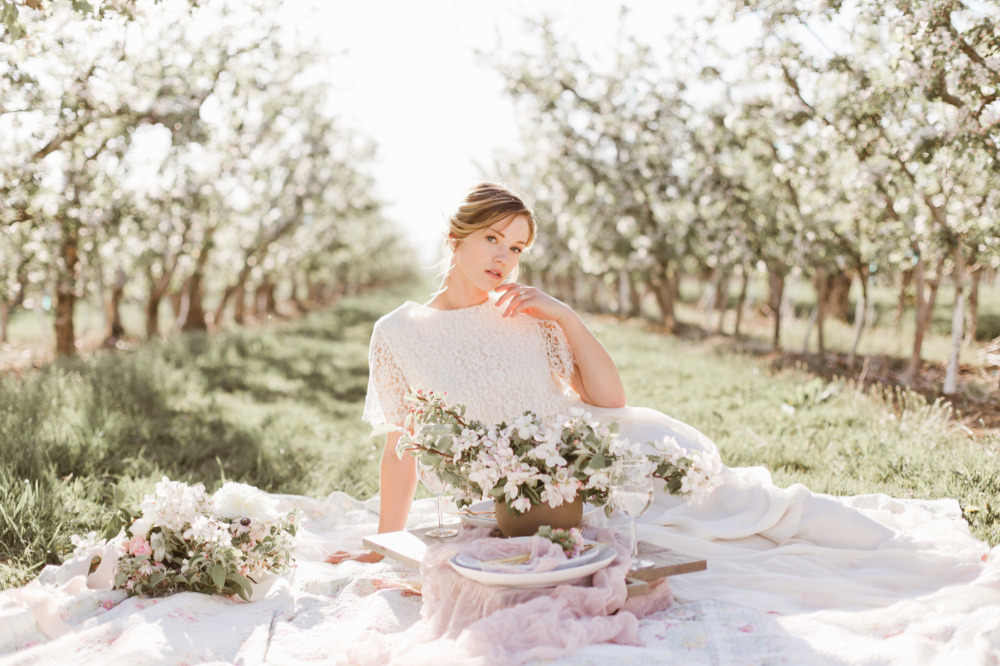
(543, 555)
(508, 625)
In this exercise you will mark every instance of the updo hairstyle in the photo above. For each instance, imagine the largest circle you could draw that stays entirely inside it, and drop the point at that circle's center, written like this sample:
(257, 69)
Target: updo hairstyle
(483, 206)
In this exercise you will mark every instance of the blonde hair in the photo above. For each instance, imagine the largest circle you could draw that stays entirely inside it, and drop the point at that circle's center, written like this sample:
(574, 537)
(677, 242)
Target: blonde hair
(484, 205)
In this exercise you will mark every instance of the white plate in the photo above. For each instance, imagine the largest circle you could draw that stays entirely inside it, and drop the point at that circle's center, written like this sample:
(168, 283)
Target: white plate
(487, 520)
(470, 562)
(606, 556)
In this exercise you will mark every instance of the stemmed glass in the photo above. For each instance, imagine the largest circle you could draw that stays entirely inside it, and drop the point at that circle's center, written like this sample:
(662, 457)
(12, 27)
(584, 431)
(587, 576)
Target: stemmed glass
(437, 487)
(630, 487)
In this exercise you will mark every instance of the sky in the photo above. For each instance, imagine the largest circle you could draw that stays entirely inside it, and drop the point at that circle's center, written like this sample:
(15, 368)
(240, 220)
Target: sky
(408, 76)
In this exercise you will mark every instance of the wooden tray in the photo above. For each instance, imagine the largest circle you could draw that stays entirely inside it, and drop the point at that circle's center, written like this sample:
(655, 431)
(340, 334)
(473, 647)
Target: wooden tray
(409, 546)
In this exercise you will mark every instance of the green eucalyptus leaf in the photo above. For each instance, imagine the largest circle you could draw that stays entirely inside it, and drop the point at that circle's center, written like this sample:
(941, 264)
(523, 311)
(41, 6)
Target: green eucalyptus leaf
(218, 574)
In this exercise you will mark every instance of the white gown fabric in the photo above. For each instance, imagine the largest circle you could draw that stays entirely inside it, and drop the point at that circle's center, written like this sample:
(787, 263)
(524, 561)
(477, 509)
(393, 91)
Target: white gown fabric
(793, 577)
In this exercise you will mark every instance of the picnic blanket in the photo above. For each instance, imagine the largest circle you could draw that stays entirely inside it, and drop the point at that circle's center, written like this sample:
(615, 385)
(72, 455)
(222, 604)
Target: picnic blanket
(750, 607)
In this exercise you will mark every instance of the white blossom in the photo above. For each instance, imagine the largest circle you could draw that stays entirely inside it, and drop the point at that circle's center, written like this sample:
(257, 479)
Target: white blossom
(239, 500)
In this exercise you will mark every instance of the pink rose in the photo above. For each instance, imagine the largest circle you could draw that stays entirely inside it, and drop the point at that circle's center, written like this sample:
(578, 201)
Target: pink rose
(138, 545)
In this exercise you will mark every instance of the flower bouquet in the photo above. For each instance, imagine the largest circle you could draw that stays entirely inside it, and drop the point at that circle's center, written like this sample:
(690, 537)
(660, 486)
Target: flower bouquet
(532, 461)
(186, 540)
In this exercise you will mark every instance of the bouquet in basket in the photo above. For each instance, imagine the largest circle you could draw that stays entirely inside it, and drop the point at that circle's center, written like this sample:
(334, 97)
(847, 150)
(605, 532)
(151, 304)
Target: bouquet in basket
(183, 539)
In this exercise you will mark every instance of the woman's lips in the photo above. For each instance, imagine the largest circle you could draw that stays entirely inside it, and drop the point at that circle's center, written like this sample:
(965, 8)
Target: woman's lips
(494, 274)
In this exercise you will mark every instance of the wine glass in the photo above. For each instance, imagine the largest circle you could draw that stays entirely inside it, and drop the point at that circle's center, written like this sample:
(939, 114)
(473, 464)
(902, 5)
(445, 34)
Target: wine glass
(630, 487)
(437, 487)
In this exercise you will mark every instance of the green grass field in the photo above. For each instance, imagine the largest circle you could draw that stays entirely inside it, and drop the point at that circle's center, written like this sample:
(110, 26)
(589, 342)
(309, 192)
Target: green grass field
(279, 407)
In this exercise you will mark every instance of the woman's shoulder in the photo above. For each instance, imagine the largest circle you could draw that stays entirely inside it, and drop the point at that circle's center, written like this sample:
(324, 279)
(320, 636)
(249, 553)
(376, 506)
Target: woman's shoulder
(401, 317)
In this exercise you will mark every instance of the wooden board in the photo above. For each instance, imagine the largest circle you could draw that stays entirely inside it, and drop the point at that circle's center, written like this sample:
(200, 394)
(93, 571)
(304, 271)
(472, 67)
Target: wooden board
(667, 563)
(406, 546)
(409, 547)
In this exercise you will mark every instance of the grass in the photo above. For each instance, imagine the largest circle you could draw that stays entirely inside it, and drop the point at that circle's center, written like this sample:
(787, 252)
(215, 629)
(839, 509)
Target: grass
(279, 407)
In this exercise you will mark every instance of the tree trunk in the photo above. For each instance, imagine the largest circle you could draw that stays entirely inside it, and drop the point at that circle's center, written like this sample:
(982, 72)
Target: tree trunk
(153, 316)
(860, 312)
(157, 289)
(708, 298)
(722, 300)
(294, 297)
(192, 312)
(924, 309)
(4, 320)
(820, 322)
(838, 302)
(260, 302)
(972, 311)
(809, 328)
(269, 299)
(776, 284)
(66, 288)
(957, 320)
(239, 304)
(316, 292)
(664, 293)
(828, 294)
(635, 296)
(905, 281)
(116, 331)
(741, 300)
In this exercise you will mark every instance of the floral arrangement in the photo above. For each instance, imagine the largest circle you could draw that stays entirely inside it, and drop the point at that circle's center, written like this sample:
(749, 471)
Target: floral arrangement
(571, 540)
(186, 540)
(531, 461)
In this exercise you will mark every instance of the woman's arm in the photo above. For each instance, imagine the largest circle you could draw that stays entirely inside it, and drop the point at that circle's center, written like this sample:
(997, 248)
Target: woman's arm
(596, 376)
(397, 484)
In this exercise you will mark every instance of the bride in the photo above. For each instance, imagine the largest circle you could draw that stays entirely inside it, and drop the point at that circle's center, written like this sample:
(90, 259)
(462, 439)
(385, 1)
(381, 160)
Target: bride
(793, 576)
(500, 347)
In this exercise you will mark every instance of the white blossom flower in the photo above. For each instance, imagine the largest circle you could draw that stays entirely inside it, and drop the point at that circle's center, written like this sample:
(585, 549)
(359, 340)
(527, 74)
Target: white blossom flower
(172, 505)
(702, 477)
(239, 500)
(206, 530)
(521, 504)
(669, 449)
(622, 448)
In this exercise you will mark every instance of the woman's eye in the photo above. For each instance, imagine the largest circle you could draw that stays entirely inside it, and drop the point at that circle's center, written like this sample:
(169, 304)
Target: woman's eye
(517, 250)
(491, 239)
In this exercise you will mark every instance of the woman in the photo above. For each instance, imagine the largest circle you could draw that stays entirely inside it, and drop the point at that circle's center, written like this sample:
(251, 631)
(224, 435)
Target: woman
(500, 347)
(486, 238)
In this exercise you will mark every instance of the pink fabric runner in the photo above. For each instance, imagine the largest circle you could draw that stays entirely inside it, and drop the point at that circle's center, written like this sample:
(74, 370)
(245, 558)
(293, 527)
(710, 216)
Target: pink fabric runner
(508, 624)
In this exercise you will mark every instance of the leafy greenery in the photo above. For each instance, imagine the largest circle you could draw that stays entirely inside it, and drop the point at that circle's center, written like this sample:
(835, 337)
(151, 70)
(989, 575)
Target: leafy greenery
(279, 407)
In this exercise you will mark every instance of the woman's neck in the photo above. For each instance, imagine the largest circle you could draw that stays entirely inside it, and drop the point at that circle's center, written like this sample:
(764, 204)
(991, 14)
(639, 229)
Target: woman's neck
(453, 296)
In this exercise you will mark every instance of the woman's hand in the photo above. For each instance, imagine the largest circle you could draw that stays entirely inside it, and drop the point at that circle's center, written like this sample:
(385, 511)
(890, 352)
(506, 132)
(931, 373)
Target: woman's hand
(356, 555)
(521, 299)
(595, 377)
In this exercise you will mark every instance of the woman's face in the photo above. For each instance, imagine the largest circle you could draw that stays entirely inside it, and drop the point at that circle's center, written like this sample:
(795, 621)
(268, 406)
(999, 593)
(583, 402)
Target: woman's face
(486, 258)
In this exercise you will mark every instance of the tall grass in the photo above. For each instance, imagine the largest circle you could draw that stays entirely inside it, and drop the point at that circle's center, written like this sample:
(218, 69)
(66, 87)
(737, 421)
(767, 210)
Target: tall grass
(279, 407)
(275, 407)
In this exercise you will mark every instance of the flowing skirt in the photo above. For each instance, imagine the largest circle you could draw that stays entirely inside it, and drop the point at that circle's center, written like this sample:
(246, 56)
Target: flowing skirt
(790, 550)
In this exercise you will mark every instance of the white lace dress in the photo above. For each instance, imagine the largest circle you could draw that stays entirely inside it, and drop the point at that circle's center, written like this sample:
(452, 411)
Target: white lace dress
(778, 549)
